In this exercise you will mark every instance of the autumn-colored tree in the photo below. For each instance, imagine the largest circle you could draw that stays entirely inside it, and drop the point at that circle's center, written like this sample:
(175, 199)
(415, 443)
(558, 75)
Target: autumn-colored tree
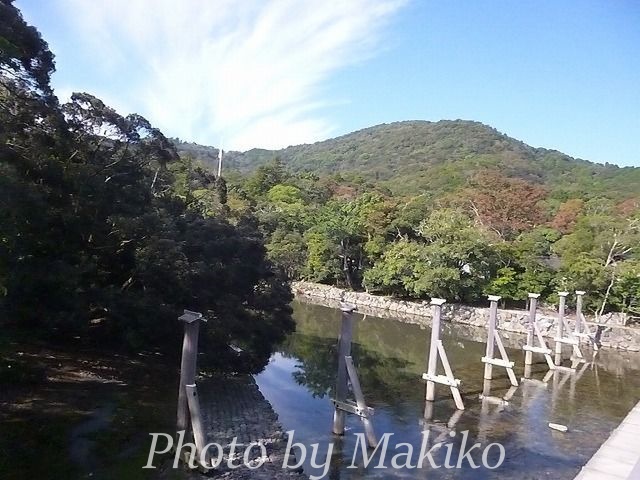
(567, 215)
(506, 205)
(628, 207)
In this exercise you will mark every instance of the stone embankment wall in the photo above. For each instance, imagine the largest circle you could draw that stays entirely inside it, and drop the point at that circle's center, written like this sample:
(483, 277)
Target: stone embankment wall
(612, 335)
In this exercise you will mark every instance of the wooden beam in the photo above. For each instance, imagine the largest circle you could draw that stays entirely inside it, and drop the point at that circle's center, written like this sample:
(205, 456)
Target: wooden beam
(441, 379)
(542, 350)
(357, 393)
(497, 362)
(447, 370)
(352, 407)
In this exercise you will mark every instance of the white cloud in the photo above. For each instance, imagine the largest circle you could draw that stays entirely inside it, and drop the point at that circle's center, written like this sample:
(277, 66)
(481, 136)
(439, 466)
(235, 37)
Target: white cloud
(246, 71)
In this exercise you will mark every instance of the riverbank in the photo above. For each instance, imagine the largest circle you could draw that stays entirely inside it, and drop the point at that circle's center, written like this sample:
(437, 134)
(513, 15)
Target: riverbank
(612, 336)
(80, 414)
(84, 414)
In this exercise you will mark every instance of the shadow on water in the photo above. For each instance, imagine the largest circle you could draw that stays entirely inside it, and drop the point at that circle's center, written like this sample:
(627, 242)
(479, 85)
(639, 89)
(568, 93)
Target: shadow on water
(391, 356)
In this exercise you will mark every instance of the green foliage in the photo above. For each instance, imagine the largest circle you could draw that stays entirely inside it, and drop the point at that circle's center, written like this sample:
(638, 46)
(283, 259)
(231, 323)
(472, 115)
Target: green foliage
(625, 294)
(289, 251)
(453, 260)
(266, 177)
(323, 258)
(107, 235)
(343, 230)
(506, 284)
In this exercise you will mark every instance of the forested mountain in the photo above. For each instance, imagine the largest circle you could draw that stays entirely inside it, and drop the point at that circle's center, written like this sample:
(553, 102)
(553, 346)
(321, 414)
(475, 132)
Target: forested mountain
(452, 209)
(416, 156)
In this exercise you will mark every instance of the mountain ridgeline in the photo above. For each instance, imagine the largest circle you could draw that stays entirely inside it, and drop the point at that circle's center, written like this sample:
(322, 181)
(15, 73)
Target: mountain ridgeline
(439, 157)
(452, 209)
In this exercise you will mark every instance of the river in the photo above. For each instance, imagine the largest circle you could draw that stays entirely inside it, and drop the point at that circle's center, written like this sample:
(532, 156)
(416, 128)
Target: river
(391, 356)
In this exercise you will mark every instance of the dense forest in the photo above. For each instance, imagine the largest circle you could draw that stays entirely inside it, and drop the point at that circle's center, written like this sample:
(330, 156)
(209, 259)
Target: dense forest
(104, 235)
(452, 209)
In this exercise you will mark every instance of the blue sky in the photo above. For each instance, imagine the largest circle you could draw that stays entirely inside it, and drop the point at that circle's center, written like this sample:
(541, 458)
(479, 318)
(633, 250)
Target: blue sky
(554, 73)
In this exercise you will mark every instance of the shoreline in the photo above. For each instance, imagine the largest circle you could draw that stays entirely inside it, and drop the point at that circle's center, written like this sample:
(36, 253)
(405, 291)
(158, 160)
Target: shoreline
(616, 337)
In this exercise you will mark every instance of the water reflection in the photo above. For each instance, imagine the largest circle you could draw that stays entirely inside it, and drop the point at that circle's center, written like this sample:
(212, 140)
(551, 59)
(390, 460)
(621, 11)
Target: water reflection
(391, 357)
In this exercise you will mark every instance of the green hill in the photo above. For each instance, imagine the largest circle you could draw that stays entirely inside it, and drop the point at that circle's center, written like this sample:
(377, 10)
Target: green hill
(414, 156)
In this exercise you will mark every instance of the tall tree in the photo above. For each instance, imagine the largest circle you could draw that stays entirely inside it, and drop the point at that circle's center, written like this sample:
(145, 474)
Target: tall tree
(506, 205)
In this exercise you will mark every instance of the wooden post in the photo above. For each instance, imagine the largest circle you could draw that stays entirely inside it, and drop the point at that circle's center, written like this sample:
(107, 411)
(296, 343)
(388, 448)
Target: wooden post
(188, 365)
(582, 329)
(436, 351)
(578, 326)
(493, 338)
(533, 305)
(347, 373)
(491, 328)
(344, 350)
(432, 366)
(534, 334)
(560, 326)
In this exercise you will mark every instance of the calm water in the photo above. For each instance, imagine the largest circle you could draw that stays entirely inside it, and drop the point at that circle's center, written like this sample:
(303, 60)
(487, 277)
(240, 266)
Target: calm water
(391, 357)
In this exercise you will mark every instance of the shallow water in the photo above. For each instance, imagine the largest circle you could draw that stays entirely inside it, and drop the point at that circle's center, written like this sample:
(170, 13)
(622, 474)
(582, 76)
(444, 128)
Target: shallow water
(391, 356)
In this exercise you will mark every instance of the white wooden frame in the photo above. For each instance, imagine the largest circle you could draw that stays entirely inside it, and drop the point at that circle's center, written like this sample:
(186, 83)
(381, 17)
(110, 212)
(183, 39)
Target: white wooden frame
(493, 339)
(436, 351)
(582, 329)
(347, 373)
(534, 334)
(565, 336)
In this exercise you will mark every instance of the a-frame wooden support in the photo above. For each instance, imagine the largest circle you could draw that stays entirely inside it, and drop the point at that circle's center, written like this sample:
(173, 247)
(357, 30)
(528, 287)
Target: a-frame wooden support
(436, 350)
(565, 336)
(493, 339)
(582, 329)
(347, 374)
(534, 334)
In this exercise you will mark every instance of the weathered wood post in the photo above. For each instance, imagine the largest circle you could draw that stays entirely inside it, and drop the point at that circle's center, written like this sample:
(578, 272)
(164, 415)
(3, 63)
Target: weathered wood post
(493, 338)
(534, 334)
(560, 326)
(578, 326)
(344, 350)
(188, 365)
(491, 328)
(436, 350)
(432, 366)
(347, 372)
(582, 329)
(533, 305)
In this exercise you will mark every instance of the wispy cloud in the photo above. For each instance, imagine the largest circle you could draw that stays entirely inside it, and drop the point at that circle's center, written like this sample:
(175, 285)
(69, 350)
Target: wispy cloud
(246, 73)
